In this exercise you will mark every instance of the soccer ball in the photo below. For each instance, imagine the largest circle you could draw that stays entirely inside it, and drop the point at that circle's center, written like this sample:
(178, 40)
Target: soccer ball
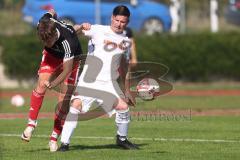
(147, 88)
(17, 100)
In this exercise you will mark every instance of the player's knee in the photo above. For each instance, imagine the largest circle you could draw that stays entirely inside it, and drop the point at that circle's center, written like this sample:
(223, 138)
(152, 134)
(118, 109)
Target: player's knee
(122, 107)
(72, 117)
(41, 87)
(122, 116)
(77, 104)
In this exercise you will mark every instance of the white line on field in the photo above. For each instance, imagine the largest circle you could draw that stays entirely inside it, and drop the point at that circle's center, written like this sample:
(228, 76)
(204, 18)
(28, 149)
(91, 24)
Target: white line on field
(140, 139)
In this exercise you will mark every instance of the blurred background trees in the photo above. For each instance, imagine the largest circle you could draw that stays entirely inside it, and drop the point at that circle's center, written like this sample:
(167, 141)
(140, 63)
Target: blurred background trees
(196, 55)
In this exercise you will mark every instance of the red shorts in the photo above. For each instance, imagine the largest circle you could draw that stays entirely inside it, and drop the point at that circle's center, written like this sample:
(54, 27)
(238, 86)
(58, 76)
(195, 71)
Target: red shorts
(53, 65)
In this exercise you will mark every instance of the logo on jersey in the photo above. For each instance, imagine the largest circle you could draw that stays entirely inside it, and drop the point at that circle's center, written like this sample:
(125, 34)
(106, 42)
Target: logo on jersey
(146, 81)
(67, 49)
(110, 46)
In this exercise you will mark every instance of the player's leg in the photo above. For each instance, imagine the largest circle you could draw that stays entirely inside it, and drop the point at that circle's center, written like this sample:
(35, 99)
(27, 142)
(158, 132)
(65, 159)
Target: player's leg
(80, 105)
(66, 91)
(70, 123)
(122, 120)
(35, 106)
(61, 112)
(46, 71)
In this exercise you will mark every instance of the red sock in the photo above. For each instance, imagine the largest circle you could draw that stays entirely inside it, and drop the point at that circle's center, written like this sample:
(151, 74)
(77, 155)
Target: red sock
(35, 104)
(59, 120)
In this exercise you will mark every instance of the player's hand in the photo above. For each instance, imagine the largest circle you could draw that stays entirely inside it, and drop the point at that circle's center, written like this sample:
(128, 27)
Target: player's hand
(47, 84)
(133, 61)
(130, 99)
(80, 27)
(86, 26)
(52, 12)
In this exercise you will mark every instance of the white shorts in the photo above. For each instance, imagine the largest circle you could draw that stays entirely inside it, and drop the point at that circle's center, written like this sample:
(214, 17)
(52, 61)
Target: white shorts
(103, 93)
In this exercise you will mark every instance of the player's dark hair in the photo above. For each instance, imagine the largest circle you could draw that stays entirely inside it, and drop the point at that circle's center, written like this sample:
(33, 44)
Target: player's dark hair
(46, 28)
(121, 10)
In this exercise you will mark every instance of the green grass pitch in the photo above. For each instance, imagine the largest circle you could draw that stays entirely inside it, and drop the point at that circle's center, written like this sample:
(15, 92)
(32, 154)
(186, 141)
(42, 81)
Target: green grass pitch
(200, 138)
(188, 138)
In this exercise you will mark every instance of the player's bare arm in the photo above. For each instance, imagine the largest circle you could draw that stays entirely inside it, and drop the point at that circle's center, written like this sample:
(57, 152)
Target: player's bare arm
(125, 76)
(80, 27)
(67, 68)
(133, 51)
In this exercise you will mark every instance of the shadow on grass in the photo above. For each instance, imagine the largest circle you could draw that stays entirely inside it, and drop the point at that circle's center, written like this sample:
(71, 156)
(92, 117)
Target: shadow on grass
(159, 152)
(107, 146)
(86, 147)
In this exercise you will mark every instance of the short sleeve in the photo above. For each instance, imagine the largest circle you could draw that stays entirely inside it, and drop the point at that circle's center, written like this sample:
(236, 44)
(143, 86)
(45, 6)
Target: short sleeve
(92, 31)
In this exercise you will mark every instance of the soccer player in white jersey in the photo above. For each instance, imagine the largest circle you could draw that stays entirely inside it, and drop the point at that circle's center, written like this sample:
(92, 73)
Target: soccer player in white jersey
(109, 47)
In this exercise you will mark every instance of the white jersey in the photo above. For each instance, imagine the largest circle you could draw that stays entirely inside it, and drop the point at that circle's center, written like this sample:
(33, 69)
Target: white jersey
(108, 47)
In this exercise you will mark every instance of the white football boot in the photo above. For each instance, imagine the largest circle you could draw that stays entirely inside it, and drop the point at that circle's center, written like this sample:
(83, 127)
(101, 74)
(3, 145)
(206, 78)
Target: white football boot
(27, 133)
(53, 146)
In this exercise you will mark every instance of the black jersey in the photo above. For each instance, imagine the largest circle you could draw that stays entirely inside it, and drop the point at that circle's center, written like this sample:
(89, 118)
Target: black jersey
(67, 46)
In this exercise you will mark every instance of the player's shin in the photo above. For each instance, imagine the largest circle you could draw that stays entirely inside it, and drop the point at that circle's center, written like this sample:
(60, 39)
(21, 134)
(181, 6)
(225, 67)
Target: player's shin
(122, 120)
(59, 120)
(60, 116)
(35, 105)
(69, 125)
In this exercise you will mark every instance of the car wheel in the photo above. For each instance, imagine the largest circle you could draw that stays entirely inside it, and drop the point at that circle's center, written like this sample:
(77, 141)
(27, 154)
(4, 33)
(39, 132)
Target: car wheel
(67, 20)
(152, 25)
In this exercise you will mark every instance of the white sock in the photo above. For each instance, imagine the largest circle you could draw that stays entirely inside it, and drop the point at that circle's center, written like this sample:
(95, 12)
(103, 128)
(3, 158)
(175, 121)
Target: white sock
(69, 125)
(122, 129)
(32, 122)
(122, 120)
(54, 135)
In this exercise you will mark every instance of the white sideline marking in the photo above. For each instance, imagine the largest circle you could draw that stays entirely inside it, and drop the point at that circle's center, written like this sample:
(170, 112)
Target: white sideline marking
(140, 139)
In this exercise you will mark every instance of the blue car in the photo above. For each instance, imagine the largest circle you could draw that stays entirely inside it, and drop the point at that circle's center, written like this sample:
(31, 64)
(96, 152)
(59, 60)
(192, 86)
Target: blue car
(146, 15)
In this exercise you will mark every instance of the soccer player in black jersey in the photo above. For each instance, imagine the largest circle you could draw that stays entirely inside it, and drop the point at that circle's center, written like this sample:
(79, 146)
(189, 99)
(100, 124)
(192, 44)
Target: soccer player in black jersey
(59, 67)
